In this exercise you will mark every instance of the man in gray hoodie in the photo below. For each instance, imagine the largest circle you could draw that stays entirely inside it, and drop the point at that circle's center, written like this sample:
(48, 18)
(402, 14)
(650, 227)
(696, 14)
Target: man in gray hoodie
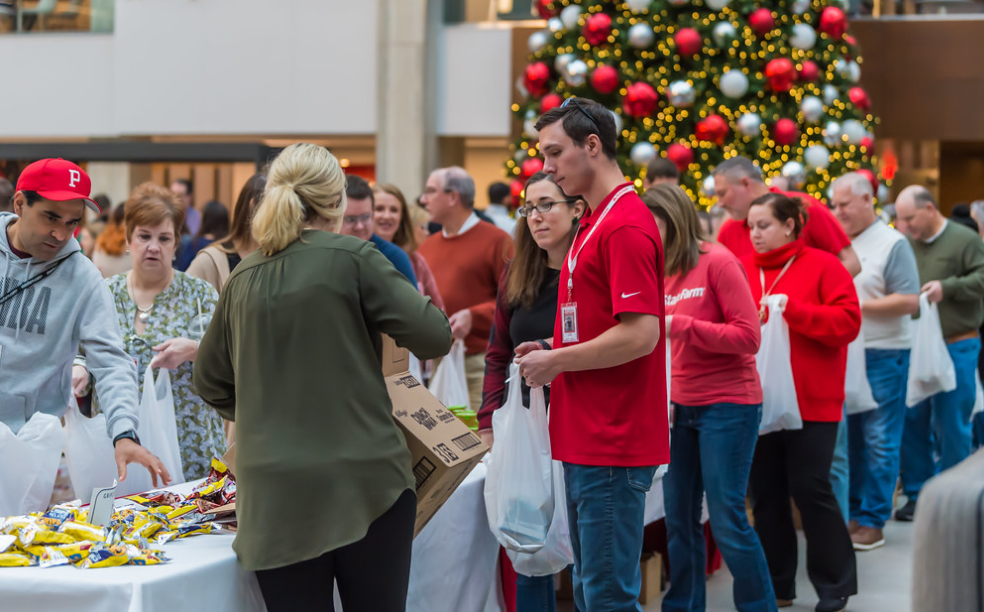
(54, 301)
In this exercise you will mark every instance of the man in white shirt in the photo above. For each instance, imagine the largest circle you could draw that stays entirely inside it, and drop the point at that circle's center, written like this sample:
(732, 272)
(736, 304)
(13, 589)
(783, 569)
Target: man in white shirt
(888, 289)
(498, 210)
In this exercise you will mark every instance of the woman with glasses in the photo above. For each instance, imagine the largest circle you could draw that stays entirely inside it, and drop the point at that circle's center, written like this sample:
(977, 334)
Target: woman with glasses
(713, 327)
(526, 308)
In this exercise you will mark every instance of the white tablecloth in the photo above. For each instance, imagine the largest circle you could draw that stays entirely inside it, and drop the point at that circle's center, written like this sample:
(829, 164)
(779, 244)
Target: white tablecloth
(203, 574)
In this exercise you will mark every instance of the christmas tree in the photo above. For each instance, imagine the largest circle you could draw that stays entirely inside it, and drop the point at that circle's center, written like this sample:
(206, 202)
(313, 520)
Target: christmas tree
(699, 81)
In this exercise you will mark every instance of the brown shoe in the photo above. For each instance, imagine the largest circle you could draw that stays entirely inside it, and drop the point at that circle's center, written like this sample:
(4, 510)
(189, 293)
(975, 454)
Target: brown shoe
(784, 603)
(853, 526)
(867, 538)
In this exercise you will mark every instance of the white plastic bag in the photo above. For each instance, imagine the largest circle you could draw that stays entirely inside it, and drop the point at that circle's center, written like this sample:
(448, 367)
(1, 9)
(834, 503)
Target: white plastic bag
(780, 407)
(519, 486)
(29, 464)
(450, 385)
(979, 396)
(557, 552)
(930, 367)
(91, 459)
(857, 390)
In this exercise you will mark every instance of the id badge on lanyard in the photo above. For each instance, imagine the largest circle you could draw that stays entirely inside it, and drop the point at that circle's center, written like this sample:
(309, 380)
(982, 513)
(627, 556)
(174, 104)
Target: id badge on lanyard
(568, 310)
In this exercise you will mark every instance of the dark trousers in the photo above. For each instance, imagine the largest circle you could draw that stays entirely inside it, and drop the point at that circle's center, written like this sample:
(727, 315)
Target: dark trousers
(797, 464)
(357, 567)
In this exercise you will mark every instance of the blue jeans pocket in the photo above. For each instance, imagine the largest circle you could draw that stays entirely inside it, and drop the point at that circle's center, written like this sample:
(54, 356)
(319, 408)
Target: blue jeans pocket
(640, 478)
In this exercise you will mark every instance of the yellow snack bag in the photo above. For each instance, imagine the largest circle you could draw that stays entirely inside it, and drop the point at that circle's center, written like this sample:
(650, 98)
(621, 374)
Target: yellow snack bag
(34, 534)
(105, 556)
(83, 531)
(13, 559)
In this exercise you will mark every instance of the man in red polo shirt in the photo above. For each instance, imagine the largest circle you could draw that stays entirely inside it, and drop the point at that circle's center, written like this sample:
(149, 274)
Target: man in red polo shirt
(608, 421)
(738, 182)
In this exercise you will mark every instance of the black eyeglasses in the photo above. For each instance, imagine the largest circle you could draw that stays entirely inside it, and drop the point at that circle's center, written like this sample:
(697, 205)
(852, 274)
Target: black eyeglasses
(583, 112)
(540, 207)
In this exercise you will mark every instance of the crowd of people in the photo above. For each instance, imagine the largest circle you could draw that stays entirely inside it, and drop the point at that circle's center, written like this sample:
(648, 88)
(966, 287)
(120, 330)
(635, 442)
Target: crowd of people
(270, 324)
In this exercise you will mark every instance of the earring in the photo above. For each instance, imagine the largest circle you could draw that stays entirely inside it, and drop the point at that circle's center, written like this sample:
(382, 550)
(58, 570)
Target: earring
(128, 251)
(788, 233)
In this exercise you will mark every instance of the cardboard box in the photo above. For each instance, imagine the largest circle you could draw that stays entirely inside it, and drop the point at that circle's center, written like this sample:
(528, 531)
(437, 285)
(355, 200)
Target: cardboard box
(652, 577)
(443, 450)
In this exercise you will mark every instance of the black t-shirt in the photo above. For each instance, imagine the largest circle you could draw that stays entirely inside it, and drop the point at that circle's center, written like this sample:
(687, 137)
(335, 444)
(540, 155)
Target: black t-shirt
(234, 260)
(536, 322)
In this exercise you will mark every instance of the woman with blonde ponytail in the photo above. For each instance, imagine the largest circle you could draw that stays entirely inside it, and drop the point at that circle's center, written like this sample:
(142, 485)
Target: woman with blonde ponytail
(292, 356)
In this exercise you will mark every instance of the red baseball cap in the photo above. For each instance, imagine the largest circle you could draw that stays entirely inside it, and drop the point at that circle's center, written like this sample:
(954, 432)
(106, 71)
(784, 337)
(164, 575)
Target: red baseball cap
(57, 180)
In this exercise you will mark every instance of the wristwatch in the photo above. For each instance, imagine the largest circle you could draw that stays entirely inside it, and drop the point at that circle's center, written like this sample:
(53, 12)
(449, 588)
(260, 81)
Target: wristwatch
(126, 434)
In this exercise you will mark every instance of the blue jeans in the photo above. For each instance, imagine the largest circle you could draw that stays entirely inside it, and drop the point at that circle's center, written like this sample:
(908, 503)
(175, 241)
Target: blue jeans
(945, 416)
(840, 469)
(535, 594)
(606, 509)
(711, 449)
(875, 438)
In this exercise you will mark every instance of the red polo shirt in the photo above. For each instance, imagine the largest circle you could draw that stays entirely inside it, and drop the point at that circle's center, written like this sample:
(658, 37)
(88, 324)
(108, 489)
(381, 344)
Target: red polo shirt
(822, 231)
(613, 416)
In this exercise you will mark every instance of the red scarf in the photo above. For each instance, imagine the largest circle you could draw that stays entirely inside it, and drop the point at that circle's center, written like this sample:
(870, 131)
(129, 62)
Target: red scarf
(777, 258)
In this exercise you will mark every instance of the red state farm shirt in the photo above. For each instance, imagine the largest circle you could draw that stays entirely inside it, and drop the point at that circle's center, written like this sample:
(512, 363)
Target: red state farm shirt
(822, 231)
(715, 332)
(613, 416)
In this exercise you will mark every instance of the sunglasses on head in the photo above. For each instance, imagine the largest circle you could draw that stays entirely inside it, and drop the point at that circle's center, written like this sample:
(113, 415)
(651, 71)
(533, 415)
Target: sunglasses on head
(583, 112)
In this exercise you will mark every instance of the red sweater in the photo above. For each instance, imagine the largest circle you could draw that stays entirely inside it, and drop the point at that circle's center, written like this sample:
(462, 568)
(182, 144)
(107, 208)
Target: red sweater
(823, 317)
(467, 268)
(715, 332)
(822, 231)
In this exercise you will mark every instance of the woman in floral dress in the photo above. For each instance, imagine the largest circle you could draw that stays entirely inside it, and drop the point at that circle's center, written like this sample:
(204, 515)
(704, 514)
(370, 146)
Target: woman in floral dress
(163, 313)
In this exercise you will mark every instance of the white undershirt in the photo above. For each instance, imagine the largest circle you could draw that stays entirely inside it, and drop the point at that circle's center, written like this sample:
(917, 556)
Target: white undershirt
(933, 238)
(469, 223)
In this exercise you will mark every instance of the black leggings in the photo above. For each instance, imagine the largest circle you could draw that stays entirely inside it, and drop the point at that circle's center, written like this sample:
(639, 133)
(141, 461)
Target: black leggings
(372, 574)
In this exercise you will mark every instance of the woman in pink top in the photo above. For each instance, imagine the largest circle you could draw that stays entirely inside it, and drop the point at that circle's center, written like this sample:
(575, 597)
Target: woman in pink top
(713, 326)
(393, 223)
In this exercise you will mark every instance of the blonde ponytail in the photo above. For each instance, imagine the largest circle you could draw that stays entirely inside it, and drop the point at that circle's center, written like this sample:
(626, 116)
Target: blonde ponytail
(305, 181)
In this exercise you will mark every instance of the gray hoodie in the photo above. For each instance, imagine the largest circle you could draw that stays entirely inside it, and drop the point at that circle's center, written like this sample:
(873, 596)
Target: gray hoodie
(41, 330)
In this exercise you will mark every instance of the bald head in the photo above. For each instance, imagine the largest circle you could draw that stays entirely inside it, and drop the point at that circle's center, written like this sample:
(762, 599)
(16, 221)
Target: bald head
(917, 211)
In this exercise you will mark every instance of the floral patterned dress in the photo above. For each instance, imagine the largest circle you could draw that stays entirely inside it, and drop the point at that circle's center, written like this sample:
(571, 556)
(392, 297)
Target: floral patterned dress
(175, 314)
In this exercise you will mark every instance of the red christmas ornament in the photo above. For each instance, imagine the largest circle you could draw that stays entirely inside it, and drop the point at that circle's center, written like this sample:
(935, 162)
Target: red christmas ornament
(785, 132)
(640, 100)
(761, 21)
(780, 73)
(868, 174)
(516, 190)
(680, 155)
(833, 22)
(850, 40)
(688, 41)
(604, 79)
(535, 78)
(712, 128)
(809, 71)
(543, 9)
(867, 142)
(530, 167)
(859, 98)
(597, 28)
(550, 101)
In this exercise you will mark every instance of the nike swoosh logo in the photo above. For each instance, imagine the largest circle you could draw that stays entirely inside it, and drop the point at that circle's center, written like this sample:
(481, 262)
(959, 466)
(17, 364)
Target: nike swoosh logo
(626, 296)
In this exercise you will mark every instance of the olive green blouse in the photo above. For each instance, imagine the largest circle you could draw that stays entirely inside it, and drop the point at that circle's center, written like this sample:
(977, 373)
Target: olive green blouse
(293, 357)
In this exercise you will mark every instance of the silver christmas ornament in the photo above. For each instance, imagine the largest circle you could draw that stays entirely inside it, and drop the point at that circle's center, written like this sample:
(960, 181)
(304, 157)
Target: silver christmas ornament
(795, 172)
(832, 133)
(817, 157)
(641, 35)
(803, 37)
(618, 122)
(800, 6)
(537, 41)
(812, 108)
(681, 94)
(561, 61)
(830, 94)
(750, 124)
(854, 130)
(717, 5)
(529, 130)
(570, 15)
(707, 187)
(576, 74)
(554, 24)
(637, 6)
(520, 156)
(734, 83)
(641, 153)
(724, 33)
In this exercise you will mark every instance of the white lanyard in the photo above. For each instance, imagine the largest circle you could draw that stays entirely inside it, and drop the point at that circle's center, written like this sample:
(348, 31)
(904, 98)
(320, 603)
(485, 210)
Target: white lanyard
(572, 254)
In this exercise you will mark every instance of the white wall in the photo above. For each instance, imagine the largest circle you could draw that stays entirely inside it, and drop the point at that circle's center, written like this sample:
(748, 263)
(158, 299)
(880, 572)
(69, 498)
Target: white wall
(474, 88)
(198, 67)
